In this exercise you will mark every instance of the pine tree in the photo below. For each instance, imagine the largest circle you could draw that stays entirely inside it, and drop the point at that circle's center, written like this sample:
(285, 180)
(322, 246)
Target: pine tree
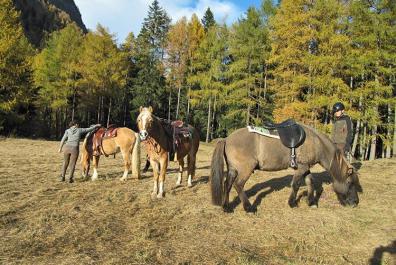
(57, 76)
(208, 73)
(177, 51)
(291, 35)
(16, 92)
(249, 49)
(104, 70)
(150, 86)
(196, 33)
(372, 32)
(155, 29)
(208, 19)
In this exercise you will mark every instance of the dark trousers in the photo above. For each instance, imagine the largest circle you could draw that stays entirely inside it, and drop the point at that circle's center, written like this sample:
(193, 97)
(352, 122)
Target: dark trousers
(70, 155)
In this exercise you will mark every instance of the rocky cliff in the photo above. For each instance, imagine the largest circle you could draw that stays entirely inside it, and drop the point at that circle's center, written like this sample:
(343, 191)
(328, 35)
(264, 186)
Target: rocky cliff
(41, 17)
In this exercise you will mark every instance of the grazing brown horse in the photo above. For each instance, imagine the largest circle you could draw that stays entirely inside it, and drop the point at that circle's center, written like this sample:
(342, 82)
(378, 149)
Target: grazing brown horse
(244, 152)
(155, 136)
(127, 142)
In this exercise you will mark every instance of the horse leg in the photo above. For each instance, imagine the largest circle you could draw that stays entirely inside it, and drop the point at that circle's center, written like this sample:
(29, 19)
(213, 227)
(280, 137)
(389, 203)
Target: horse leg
(155, 166)
(310, 197)
(232, 174)
(238, 185)
(179, 177)
(127, 164)
(299, 174)
(191, 169)
(86, 170)
(95, 163)
(163, 167)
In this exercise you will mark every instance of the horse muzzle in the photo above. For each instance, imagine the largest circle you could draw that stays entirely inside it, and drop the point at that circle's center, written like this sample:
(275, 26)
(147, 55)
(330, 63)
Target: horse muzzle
(143, 135)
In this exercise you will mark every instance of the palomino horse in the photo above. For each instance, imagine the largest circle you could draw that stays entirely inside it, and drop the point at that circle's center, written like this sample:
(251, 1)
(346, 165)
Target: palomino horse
(127, 142)
(155, 134)
(244, 152)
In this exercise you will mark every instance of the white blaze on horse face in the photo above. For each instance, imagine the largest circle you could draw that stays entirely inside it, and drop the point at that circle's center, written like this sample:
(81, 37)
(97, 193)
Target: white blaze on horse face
(144, 117)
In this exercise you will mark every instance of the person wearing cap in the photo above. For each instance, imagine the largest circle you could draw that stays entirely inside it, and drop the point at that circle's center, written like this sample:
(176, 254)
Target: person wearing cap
(342, 132)
(71, 149)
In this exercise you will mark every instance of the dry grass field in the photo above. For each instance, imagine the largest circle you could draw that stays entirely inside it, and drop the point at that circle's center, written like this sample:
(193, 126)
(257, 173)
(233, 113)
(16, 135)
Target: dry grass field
(43, 221)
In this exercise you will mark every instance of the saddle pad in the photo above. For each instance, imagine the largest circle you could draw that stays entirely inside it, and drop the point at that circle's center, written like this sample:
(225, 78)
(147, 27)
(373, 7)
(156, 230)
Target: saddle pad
(263, 131)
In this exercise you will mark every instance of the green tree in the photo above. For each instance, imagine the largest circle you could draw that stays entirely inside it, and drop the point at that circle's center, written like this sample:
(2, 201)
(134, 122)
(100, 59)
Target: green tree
(150, 86)
(373, 44)
(246, 91)
(176, 63)
(208, 19)
(104, 69)
(16, 92)
(208, 73)
(57, 77)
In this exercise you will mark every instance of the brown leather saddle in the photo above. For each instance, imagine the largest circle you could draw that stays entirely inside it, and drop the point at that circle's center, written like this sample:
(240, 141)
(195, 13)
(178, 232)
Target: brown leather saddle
(177, 131)
(291, 134)
(99, 135)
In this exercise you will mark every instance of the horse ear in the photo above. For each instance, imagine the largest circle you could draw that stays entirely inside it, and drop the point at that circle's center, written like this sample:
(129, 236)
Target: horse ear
(350, 171)
(151, 109)
(140, 109)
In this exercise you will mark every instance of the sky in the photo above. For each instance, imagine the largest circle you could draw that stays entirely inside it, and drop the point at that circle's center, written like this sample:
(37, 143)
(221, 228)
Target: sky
(124, 16)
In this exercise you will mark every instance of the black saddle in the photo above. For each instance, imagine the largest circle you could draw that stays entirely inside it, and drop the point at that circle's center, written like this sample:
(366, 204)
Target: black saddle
(291, 134)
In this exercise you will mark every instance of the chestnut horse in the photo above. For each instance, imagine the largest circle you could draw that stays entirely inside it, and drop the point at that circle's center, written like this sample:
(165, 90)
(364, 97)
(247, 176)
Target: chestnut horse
(244, 152)
(155, 137)
(127, 142)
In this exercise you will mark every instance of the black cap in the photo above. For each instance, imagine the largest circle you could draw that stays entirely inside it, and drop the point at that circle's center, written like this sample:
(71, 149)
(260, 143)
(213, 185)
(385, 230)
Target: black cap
(338, 106)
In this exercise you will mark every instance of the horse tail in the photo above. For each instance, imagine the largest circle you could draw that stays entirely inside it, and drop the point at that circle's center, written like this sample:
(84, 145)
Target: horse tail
(85, 157)
(136, 157)
(217, 173)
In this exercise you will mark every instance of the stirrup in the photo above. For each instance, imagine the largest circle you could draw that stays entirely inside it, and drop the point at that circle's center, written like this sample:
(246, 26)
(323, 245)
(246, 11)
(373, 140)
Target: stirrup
(293, 162)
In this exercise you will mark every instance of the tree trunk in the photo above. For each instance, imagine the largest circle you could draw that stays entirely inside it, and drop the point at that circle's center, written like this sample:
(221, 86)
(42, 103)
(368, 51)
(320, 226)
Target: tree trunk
(108, 114)
(98, 120)
(355, 138)
(209, 116)
(102, 112)
(394, 132)
(373, 143)
(213, 118)
(169, 105)
(388, 134)
(57, 123)
(178, 103)
(125, 110)
(74, 105)
(188, 104)
(363, 142)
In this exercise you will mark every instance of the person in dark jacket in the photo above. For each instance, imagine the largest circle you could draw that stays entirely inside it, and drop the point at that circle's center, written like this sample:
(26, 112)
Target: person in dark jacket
(342, 133)
(71, 149)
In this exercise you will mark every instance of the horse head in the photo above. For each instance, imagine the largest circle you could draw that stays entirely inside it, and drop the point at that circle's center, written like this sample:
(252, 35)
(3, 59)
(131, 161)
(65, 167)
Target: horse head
(145, 122)
(346, 181)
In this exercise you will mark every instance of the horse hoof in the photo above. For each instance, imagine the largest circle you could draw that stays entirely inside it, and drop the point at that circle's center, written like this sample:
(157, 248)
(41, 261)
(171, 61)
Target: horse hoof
(313, 206)
(153, 195)
(160, 196)
(189, 185)
(292, 204)
(122, 179)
